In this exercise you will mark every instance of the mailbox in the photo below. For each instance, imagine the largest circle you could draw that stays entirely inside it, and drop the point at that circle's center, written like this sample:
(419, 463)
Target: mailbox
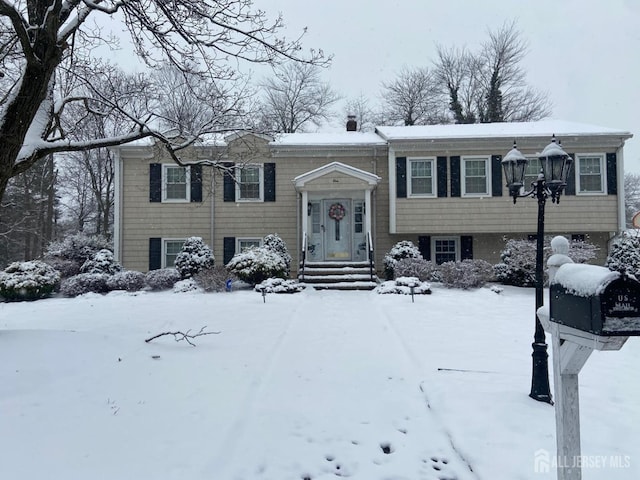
(595, 300)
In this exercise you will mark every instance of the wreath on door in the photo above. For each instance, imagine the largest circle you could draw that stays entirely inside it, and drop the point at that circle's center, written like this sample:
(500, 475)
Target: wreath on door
(336, 212)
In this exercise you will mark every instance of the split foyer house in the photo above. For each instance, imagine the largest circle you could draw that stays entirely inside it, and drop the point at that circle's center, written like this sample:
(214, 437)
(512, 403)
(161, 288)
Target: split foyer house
(349, 197)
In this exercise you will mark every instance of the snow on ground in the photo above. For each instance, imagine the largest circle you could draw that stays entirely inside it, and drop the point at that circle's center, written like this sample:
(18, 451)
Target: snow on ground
(315, 385)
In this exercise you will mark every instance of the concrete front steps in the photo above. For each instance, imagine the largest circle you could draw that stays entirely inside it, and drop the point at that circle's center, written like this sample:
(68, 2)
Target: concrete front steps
(338, 276)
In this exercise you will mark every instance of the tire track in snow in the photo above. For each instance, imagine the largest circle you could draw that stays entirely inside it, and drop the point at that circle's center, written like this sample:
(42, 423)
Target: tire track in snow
(245, 412)
(418, 367)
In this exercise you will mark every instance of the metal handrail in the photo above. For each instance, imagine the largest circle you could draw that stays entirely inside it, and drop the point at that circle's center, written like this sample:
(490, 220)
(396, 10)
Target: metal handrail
(303, 255)
(371, 256)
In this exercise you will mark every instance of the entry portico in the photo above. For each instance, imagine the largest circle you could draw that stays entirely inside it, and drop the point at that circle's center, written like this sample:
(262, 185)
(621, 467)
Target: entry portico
(336, 217)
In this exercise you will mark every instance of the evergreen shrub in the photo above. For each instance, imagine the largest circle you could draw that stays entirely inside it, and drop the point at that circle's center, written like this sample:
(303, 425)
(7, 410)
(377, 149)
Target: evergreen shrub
(128, 280)
(28, 281)
(85, 283)
(465, 274)
(162, 279)
(402, 249)
(194, 256)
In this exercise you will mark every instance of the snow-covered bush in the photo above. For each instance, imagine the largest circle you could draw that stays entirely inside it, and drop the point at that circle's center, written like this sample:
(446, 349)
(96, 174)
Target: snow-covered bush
(415, 267)
(465, 274)
(85, 283)
(186, 285)
(162, 279)
(213, 279)
(128, 280)
(518, 265)
(276, 244)
(624, 255)
(68, 255)
(403, 285)
(28, 281)
(101, 262)
(257, 264)
(279, 285)
(194, 256)
(402, 249)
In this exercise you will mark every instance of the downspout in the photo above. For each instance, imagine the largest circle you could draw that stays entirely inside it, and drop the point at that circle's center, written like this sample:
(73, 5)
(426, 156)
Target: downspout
(622, 217)
(392, 190)
(117, 205)
(212, 189)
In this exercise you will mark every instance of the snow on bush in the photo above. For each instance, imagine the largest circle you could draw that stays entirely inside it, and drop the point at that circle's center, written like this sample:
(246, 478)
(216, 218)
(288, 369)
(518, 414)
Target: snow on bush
(402, 249)
(624, 255)
(276, 244)
(85, 283)
(186, 285)
(162, 279)
(28, 281)
(194, 256)
(518, 257)
(415, 267)
(257, 264)
(68, 255)
(402, 286)
(465, 274)
(213, 279)
(128, 280)
(101, 262)
(279, 285)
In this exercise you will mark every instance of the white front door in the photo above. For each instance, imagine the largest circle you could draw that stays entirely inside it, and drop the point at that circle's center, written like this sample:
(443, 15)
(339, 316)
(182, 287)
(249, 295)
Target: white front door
(337, 220)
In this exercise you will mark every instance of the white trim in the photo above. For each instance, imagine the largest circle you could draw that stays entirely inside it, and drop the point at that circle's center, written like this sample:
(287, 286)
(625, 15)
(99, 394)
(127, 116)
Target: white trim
(463, 183)
(163, 254)
(187, 199)
(456, 239)
(301, 180)
(622, 220)
(247, 239)
(117, 205)
(603, 173)
(434, 182)
(239, 169)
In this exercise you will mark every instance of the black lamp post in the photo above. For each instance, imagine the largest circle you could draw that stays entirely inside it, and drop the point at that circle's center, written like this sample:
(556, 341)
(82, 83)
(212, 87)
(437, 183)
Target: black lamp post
(552, 179)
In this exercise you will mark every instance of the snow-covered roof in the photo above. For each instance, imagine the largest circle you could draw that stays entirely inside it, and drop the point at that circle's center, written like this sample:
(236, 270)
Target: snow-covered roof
(584, 280)
(328, 139)
(543, 128)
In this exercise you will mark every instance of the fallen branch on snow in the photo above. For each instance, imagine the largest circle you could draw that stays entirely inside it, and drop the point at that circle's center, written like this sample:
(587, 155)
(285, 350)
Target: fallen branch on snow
(179, 336)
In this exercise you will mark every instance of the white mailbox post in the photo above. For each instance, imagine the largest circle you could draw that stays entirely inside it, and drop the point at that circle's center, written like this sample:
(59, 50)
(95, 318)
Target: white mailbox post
(590, 308)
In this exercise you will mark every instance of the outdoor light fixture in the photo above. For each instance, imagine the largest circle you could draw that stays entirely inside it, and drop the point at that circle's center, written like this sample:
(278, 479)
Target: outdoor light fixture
(551, 181)
(309, 208)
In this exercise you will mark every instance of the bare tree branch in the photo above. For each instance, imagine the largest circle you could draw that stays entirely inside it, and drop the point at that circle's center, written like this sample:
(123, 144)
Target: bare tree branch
(186, 336)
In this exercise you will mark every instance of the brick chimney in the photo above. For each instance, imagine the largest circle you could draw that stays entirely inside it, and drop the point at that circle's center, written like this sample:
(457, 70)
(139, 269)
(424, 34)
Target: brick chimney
(352, 124)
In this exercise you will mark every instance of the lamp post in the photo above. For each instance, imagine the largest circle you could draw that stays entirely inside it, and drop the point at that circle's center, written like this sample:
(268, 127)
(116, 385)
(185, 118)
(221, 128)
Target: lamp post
(552, 179)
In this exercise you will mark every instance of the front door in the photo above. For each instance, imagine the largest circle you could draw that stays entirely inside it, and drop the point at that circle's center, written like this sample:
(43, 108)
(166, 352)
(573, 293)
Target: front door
(337, 229)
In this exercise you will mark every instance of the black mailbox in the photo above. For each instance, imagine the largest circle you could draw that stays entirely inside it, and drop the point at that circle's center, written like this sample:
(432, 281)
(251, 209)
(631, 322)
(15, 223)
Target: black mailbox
(595, 300)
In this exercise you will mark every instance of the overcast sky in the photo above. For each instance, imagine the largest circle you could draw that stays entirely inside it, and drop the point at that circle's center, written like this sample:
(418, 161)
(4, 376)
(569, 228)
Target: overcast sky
(584, 53)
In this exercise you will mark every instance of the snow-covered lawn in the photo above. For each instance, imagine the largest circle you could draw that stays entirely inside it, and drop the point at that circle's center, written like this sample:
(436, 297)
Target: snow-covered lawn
(315, 385)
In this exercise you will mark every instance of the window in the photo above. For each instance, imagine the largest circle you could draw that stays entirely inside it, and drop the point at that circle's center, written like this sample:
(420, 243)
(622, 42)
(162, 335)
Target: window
(244, 244)
(170, 249)
(249, 185)
(421, 177)
(531, 172)
(358, 217)
(175, 183)
(591, 174)
(315, 217)
(446, 249)
(475, 172)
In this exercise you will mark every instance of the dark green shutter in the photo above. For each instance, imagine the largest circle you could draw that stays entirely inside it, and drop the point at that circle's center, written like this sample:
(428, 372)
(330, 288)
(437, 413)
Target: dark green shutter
(229, 249)
(496, 175)
(424, 245)
(229, 183)
(269, 182)
(612, 174)
(442, 176)
(570, 189)
(466, 247)
(455, 176)
(155, 253)
(401, 177)
(196, 183)
(155, 182)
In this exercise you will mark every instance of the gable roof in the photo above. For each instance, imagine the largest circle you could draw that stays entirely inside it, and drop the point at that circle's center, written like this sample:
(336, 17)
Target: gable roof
(332, 167)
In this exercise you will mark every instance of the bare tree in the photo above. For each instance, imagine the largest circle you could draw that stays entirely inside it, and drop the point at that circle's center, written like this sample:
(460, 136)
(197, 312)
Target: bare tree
(412, 98)
(41, 37)
(631, 196)
(364, 114)
(490, 85)
(294, 98)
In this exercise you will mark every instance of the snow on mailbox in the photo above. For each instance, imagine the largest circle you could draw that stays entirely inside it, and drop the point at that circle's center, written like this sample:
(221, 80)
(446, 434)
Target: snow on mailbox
(595, 300)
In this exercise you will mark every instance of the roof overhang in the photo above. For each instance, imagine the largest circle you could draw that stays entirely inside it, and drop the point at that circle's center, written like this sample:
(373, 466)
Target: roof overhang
(368, 178)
